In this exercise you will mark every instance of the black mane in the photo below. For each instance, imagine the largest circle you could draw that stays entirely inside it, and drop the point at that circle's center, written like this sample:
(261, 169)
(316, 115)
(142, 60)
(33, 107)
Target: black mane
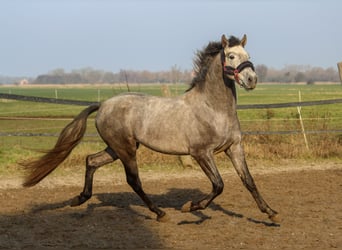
(234, 41)
(205, 57)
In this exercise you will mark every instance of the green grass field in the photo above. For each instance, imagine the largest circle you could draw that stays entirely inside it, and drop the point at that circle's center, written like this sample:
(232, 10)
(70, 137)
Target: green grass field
(53, 118)
(263, 94)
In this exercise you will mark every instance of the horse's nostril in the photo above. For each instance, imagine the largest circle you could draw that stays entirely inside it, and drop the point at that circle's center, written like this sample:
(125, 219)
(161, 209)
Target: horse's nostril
(252, 79)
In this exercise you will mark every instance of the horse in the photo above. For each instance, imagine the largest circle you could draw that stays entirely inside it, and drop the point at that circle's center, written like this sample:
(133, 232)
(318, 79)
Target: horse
(201, 122)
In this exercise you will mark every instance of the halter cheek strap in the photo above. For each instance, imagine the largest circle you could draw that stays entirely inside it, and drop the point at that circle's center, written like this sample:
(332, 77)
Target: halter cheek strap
(235, 71)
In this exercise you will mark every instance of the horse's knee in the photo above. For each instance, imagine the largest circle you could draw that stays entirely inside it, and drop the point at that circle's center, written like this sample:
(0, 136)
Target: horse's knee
(91, 162)
(90, 168)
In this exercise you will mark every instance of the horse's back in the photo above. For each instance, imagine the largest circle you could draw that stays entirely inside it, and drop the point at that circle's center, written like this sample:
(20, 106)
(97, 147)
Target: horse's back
(157, 122)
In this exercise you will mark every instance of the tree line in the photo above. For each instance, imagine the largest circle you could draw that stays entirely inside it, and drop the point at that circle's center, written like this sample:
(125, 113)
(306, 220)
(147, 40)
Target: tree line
(288, 74)
(297, 73)
(90, 75)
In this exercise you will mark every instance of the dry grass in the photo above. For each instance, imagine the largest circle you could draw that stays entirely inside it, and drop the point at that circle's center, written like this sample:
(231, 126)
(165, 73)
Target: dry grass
(275, 147)
(270, 148)
(258, 148)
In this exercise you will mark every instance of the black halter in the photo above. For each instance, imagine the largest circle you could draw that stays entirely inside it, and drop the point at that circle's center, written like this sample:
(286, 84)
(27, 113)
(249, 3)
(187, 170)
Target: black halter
(235, 71)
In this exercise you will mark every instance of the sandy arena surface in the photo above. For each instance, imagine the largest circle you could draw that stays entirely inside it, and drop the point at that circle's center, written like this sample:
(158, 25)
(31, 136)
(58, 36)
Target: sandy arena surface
(308, 199)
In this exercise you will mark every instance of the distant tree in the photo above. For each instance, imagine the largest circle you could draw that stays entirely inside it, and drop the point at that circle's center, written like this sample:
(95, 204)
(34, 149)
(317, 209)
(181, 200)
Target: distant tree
(332, 75)
(110, 77)
(287, 77)
(57, 72)
(175, 74)
(299, 77)
(54, 79)
(310, 82)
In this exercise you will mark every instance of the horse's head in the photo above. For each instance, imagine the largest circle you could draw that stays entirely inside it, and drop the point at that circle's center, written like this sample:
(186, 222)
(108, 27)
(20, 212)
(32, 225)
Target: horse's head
(236, 64)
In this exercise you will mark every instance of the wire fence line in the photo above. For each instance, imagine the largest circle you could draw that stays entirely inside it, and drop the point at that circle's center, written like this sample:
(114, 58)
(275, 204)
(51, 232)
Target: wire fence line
(44, 99)
(285, 132)
(289, 104)
(241, 107)
(244, 106)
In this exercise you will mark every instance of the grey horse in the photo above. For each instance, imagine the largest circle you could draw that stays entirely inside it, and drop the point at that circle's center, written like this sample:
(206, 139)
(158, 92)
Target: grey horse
(201, 122)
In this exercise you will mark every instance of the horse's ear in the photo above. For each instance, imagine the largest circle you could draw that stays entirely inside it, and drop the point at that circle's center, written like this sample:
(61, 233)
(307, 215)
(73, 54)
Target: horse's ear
(224, 41)
(244, 40)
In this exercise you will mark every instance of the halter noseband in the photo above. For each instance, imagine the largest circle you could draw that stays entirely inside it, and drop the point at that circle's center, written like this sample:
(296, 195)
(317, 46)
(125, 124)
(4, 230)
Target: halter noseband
(235, 71)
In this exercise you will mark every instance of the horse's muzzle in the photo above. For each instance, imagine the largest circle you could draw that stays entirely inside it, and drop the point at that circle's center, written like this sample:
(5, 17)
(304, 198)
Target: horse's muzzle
(247, 79)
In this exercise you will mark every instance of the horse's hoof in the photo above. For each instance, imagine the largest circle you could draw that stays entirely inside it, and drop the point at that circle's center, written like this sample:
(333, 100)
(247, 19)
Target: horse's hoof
(274, 218)
(78, 200)
(75, 201)
(163, 218)
(186, 207)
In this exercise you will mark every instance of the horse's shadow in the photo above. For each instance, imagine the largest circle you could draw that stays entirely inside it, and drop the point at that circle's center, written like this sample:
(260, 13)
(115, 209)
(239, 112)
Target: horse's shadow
(174, 198)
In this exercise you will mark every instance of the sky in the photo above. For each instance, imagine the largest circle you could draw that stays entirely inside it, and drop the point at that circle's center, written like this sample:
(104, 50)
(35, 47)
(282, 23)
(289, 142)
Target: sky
(38, 36)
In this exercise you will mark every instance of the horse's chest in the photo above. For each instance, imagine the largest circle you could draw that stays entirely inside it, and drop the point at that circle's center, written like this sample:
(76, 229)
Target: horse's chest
(226, 130)
(223, 125)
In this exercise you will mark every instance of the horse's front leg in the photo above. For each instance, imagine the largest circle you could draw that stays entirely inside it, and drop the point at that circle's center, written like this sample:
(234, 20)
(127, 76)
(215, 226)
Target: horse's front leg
(206, 161)
(133, 180)
(237, 156)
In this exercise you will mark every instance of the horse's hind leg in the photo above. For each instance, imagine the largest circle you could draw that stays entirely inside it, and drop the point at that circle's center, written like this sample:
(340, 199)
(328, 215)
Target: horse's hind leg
(237, 156)
(93, 162)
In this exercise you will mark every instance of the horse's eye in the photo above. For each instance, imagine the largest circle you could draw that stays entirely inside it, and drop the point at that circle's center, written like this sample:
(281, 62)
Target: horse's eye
(231, 57)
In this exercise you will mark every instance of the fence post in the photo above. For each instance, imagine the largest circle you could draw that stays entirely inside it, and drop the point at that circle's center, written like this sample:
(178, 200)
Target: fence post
(165, 90)
(299, 109)
(339, 66)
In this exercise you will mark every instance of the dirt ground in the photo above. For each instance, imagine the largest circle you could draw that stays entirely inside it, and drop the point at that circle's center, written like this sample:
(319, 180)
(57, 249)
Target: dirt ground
(308, 199)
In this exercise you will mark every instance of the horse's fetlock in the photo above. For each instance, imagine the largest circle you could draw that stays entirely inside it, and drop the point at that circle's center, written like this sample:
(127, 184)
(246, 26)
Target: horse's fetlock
(85, 195)
(219, 188)
(202, 204)
(274, 217)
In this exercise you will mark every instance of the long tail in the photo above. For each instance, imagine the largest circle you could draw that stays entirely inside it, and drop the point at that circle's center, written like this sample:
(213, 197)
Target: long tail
(68, 139)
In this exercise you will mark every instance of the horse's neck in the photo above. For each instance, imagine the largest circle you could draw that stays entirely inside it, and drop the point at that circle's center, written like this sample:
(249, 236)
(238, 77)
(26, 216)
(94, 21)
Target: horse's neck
(219, 92)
